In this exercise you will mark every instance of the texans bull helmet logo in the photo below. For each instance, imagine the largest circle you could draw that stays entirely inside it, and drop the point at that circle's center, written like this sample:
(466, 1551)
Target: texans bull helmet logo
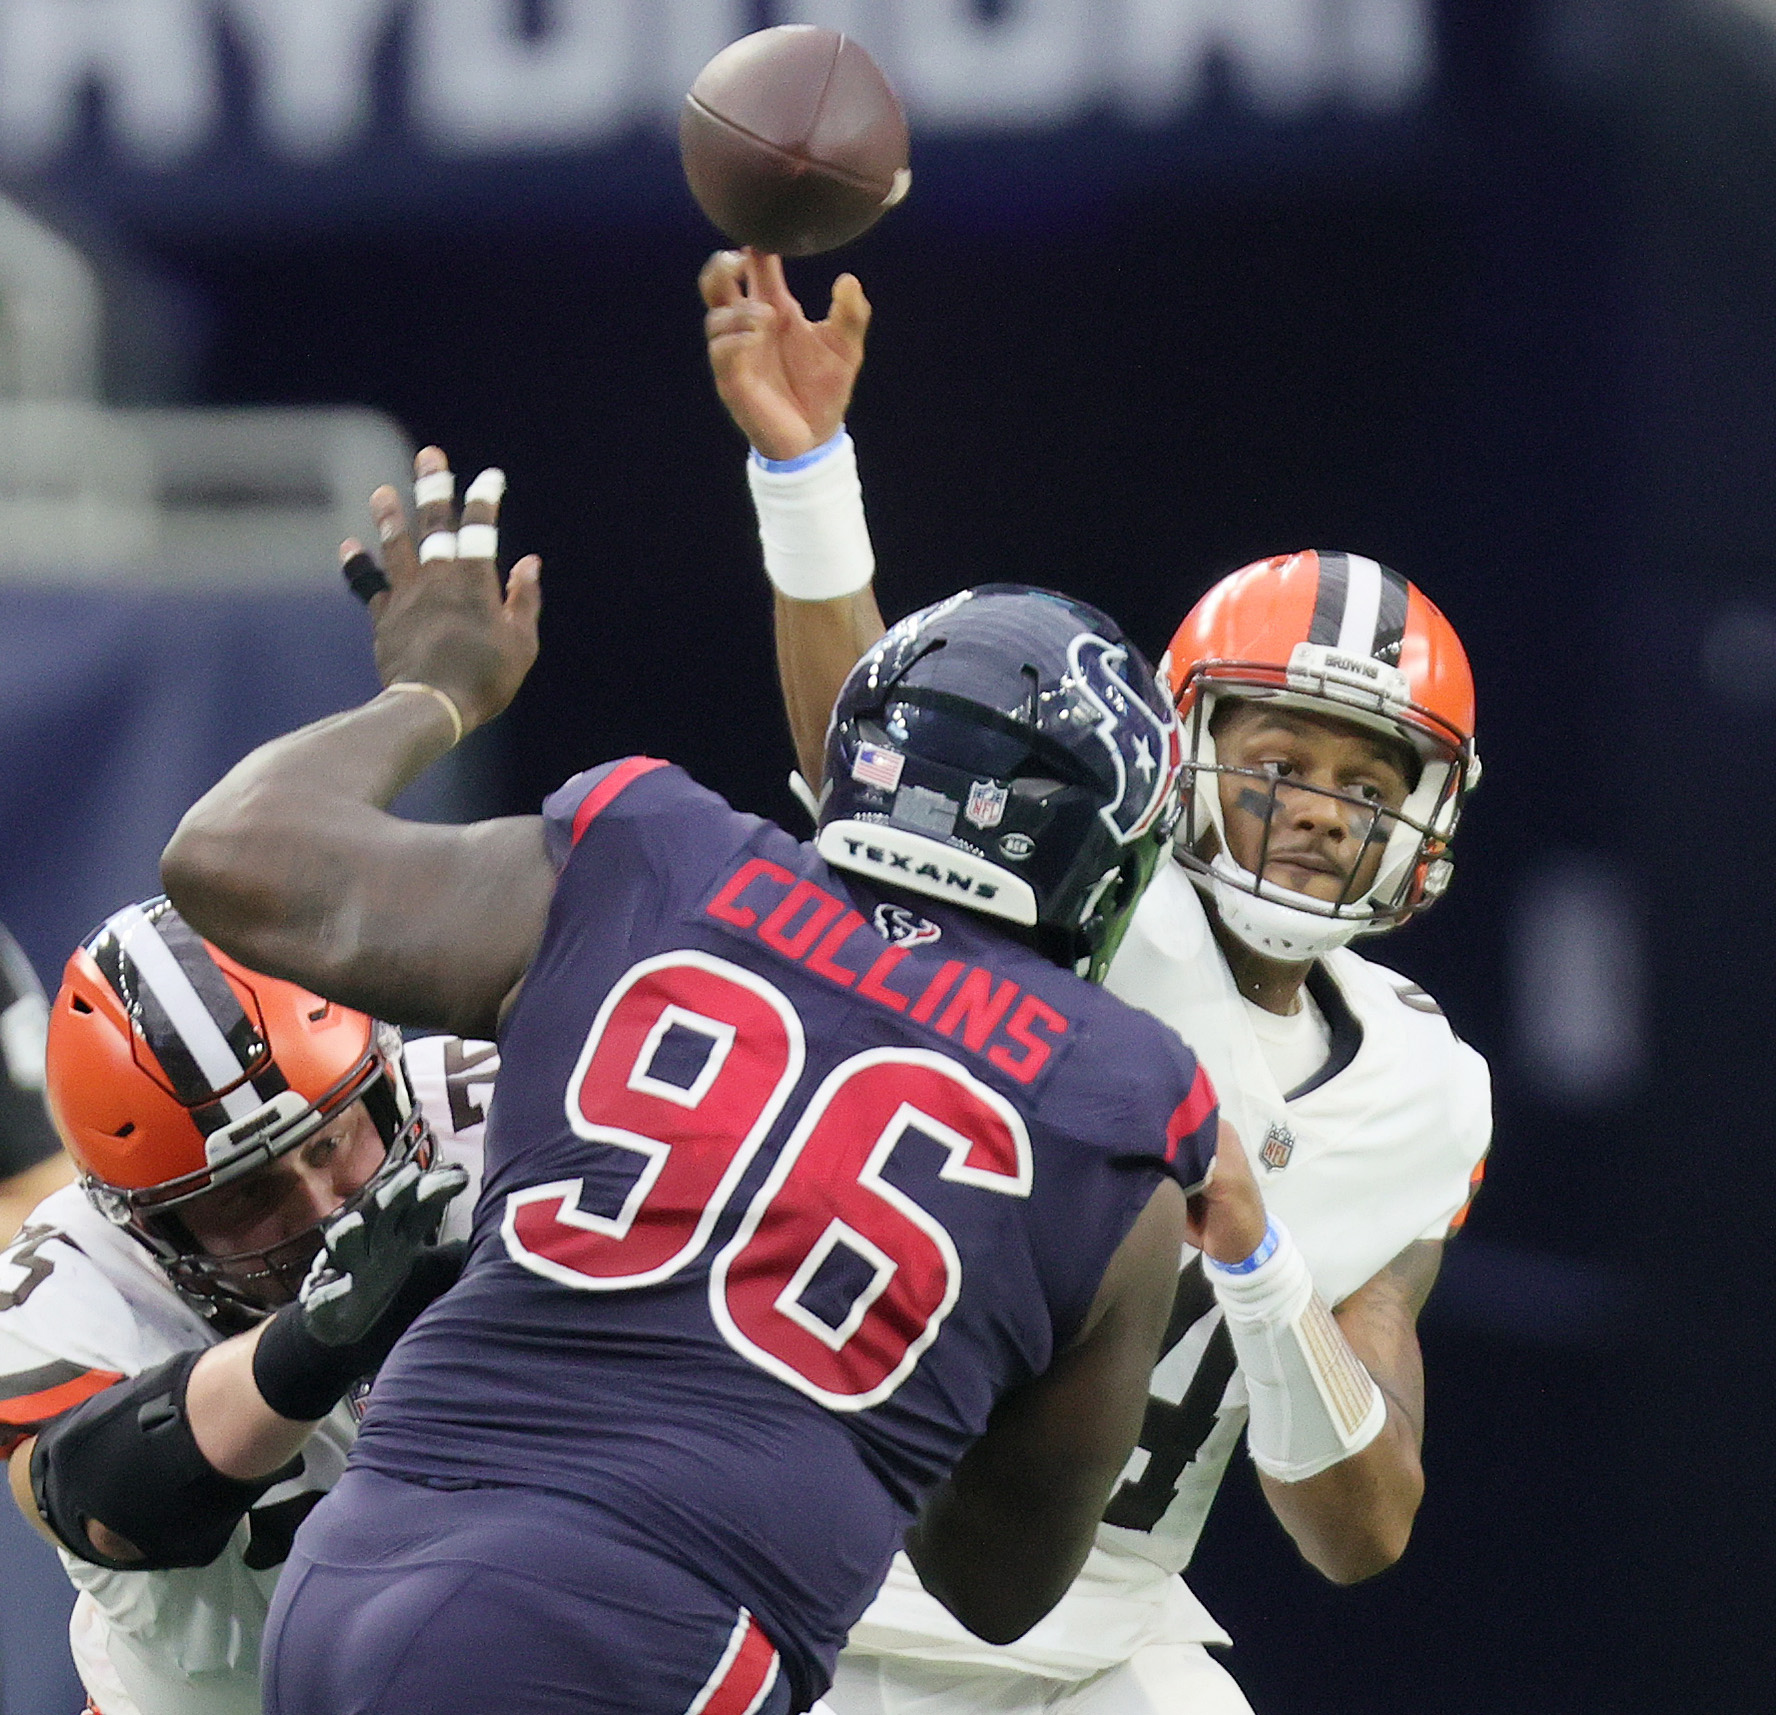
(1146, 748)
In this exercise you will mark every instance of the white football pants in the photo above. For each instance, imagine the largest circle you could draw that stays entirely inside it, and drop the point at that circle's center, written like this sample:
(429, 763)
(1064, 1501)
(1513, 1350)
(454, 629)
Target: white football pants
(1162, 1679)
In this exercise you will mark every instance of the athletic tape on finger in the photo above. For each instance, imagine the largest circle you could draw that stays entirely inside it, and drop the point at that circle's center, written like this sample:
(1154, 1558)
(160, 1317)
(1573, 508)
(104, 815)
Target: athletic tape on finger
(440, 545)
(477, 542)
(435, 488)
(490, 486)
(363, 577)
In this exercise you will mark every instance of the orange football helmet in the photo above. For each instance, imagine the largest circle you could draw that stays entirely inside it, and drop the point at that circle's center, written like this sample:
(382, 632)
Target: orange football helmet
(172, 1070)
(1343, 636)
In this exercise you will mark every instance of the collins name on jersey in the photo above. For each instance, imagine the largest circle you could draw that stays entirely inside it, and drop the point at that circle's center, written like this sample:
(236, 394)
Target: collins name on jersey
(83, 1305)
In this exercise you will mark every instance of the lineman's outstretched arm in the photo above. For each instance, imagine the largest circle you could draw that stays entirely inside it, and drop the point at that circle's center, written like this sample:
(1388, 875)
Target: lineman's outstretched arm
(237, 1434)
(787, 383)
(1353, 1519)
(292, 864)
(1000, 1542)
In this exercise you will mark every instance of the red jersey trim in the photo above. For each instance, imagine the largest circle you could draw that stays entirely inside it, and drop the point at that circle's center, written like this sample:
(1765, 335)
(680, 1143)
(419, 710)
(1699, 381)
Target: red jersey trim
(625, 774)
(1190, 1113)
(743, 1677)
(24, 1414)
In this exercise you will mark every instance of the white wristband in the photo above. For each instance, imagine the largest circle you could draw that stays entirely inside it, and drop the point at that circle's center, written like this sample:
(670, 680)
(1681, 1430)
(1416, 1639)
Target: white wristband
(1313, 1402)
(811, 524)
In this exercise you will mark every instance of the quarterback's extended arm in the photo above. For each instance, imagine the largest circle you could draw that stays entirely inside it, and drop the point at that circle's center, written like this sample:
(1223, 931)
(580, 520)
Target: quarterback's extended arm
(787, 382)
(1353, 1519)
(292, 863)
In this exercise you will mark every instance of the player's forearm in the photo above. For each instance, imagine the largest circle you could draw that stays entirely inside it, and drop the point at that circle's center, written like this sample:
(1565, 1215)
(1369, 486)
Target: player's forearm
(235, 1430)
(1002, 1541)
(818, 643)
(818, 556)
(292, 864)
(1355, 1518)
(255, 863)
(997, 1567)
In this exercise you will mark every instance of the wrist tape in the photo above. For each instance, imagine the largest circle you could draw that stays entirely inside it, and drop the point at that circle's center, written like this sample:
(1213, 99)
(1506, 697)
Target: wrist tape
(302, 1378)
(811, 523)
(1313, 1403)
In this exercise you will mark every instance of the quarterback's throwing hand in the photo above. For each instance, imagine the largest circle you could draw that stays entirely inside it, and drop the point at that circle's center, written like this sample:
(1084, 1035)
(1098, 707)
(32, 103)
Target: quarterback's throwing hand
(785, 380)
(369, 1251)
(442, 616)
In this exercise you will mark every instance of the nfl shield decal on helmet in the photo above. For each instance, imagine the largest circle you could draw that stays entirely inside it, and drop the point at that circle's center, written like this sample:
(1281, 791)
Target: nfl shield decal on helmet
(986, 804)
(1279, 1145)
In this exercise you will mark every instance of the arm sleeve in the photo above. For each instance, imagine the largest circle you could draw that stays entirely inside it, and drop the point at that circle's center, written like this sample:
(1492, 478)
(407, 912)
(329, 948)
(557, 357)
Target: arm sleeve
(26, 1134)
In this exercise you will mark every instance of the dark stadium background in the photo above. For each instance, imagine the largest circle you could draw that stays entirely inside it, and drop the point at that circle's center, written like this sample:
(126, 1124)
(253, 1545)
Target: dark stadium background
(1520, 345)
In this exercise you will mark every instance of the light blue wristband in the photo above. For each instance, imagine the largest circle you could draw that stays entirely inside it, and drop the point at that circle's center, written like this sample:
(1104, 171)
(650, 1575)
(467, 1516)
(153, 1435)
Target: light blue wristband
(1265, 1251)
(785, 467)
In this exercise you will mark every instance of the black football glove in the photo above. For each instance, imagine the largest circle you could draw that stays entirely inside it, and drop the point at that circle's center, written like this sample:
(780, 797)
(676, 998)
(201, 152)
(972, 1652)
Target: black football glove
(376, 1271)
(368, 1252)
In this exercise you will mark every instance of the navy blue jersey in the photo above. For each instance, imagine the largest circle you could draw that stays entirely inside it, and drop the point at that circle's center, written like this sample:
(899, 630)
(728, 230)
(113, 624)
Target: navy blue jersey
(788, 1181)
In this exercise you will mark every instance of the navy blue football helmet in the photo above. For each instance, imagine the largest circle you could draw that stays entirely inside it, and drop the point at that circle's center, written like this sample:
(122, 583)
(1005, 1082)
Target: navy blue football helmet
(1007, 750)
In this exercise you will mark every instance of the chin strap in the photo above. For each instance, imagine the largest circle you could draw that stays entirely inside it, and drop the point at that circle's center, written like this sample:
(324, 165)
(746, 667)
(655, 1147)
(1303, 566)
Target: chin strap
(1267, 925)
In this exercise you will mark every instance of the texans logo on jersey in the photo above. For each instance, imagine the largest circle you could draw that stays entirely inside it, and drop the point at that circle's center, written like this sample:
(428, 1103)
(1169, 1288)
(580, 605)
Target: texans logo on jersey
(1145, 749)
(903, 927)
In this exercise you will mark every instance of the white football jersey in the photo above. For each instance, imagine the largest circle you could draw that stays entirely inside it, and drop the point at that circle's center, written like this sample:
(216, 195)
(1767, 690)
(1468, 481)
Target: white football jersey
(1379, 1149)
(82, 1305)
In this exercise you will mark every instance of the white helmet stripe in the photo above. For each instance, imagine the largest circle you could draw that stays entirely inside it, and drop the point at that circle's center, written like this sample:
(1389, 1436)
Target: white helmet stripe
(1362, 606)
(202, 1036)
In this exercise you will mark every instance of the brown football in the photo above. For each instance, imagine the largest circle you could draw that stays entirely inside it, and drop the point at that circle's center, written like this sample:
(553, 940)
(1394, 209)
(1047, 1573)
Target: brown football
(793, 141)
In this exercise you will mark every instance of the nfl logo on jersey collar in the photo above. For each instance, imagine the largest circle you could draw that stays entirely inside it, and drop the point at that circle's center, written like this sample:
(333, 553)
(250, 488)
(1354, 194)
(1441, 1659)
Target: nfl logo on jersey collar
(1279, 1145)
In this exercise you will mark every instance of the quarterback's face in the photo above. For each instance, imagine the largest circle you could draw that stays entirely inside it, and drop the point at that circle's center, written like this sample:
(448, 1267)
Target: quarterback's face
(1335, 780)
(286, 1198)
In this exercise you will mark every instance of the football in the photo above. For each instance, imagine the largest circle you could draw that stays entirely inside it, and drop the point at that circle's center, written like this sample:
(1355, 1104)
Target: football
(793, 141)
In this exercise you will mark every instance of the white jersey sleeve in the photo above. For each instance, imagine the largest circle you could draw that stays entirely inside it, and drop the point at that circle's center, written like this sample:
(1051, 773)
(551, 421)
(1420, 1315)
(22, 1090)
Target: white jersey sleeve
(453, 1083)
(68, 1326)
